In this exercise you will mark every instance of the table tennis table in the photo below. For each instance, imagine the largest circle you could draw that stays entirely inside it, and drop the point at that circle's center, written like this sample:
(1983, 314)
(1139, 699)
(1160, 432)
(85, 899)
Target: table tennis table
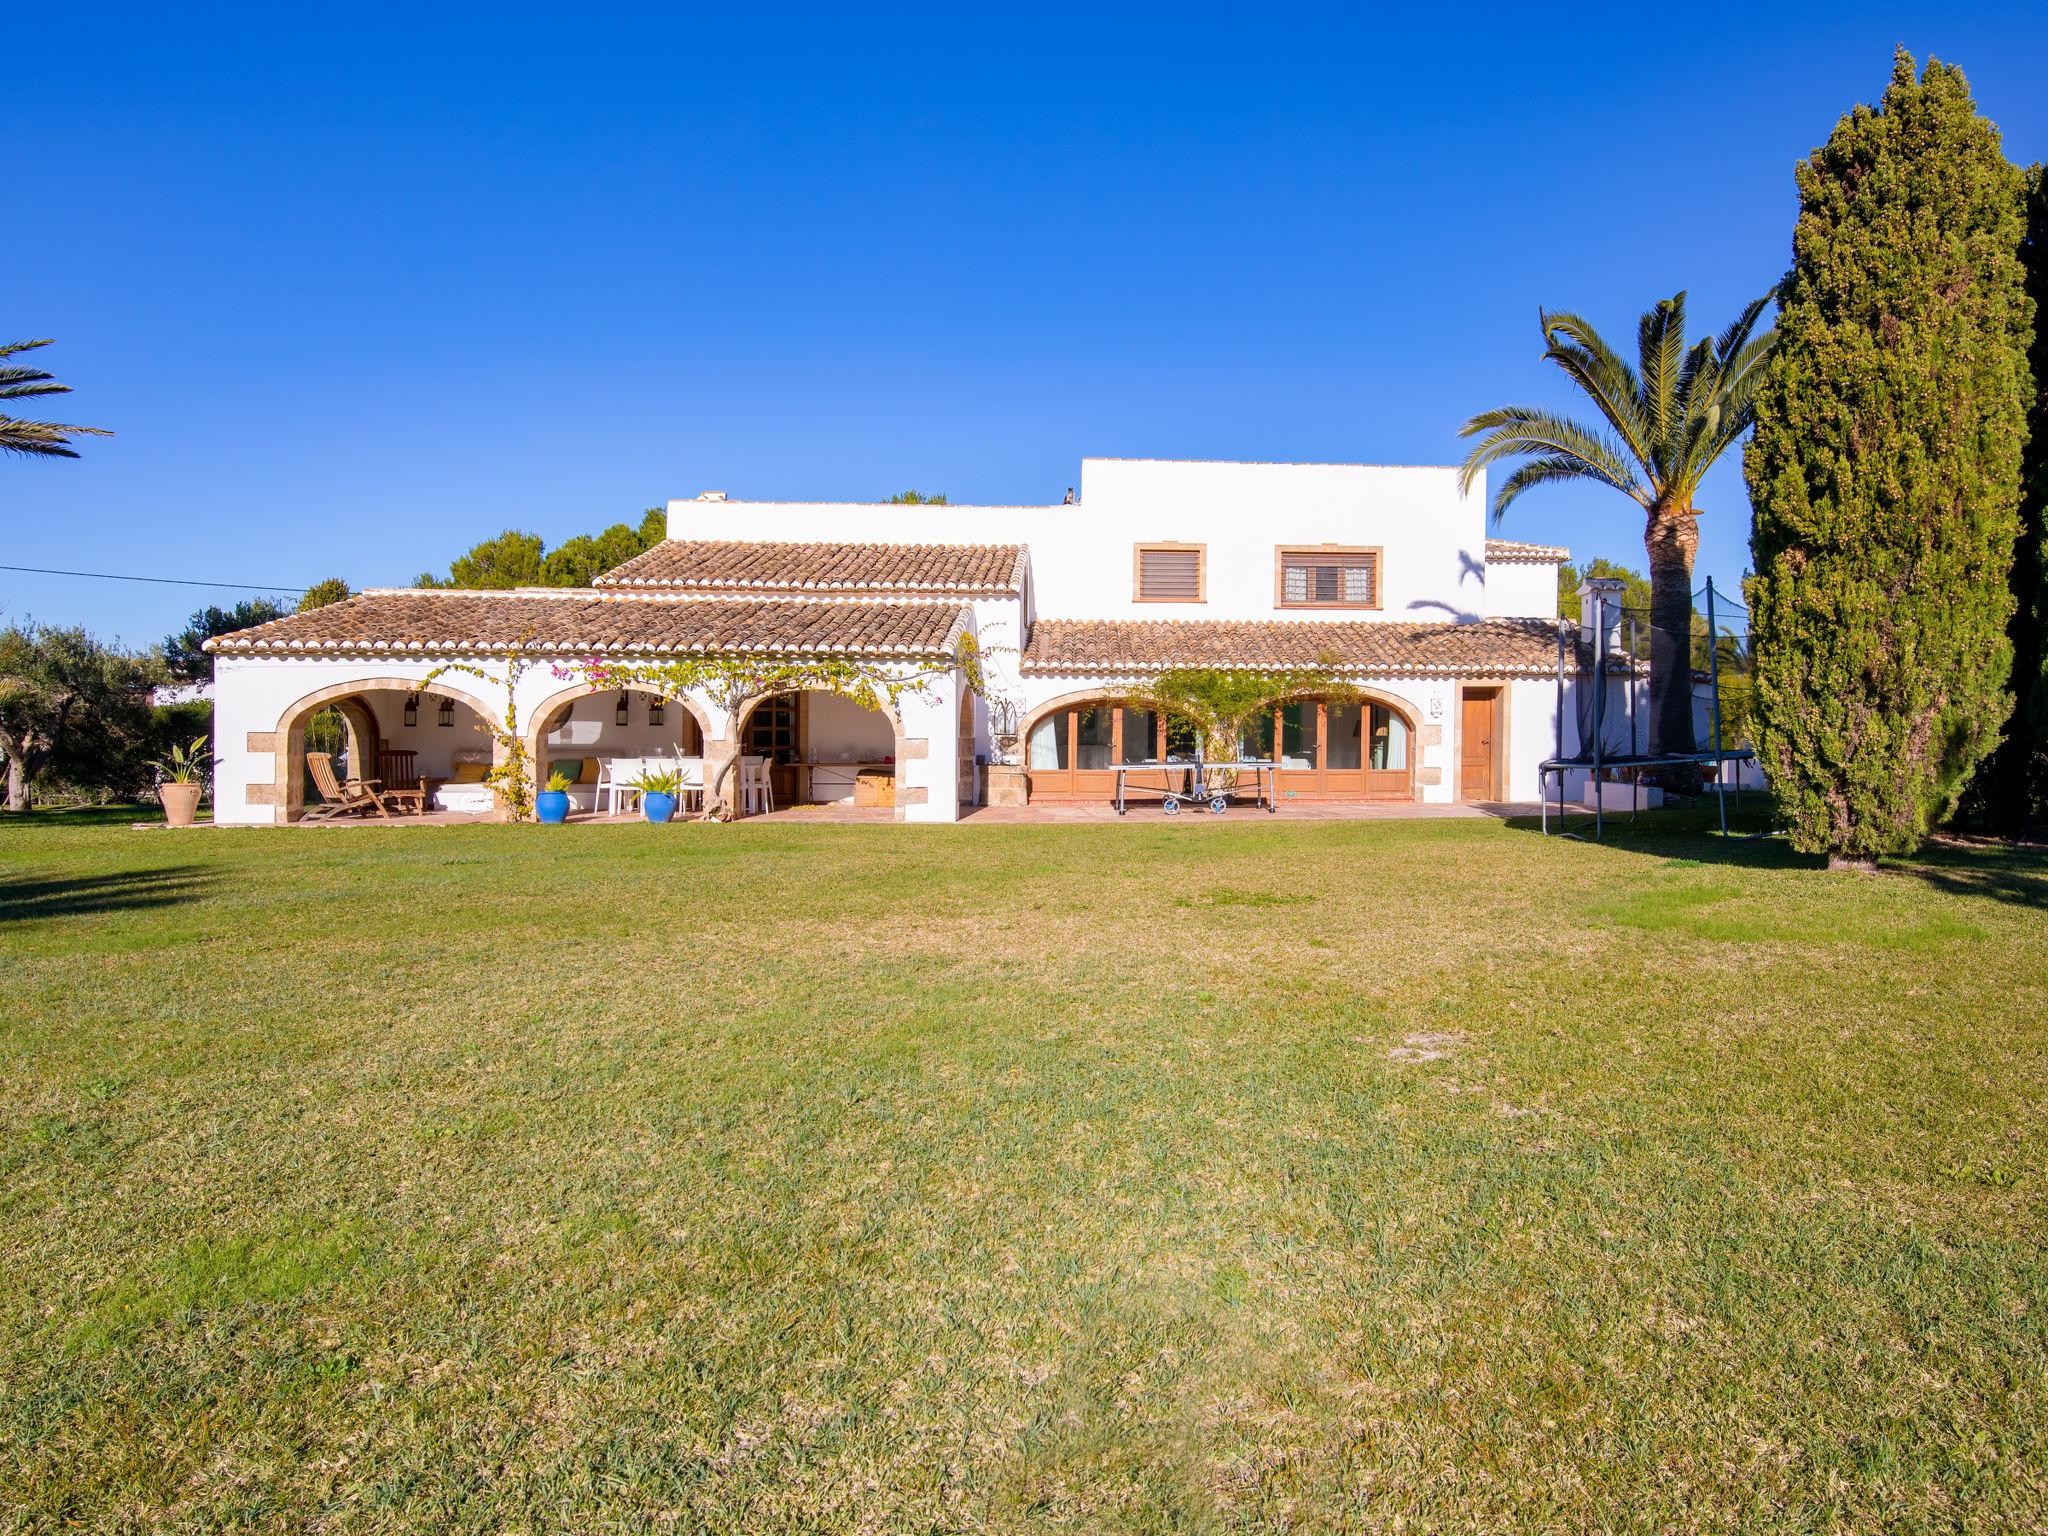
(1195, 784)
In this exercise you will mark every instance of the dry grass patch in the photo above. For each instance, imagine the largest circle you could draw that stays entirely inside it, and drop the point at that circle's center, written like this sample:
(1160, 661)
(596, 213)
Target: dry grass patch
(1402, 1176)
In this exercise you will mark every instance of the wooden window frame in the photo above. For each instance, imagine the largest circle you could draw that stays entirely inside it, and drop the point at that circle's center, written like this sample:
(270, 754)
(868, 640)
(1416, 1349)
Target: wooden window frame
(1165, 547)
(1375, 552)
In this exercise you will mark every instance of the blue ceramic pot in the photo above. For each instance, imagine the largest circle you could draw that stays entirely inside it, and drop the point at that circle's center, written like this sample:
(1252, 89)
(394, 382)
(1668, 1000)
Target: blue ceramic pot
(551, 806)
(659, 807)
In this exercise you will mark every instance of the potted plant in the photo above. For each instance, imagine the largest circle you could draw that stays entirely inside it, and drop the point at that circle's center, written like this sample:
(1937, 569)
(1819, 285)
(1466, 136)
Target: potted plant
(551, 805)
(658, 794)
(182, 777)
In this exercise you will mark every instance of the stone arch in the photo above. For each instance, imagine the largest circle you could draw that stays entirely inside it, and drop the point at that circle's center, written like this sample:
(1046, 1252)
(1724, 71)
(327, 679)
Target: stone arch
(288, 772)
(543, 712)
(905, 747)
(1100, 693)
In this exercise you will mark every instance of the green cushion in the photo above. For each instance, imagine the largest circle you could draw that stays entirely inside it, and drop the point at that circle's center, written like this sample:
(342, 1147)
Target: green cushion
(570, 768)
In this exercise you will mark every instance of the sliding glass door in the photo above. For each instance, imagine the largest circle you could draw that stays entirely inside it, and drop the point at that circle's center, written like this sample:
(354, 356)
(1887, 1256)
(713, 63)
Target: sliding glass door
(1333, 750)
(1325, 750)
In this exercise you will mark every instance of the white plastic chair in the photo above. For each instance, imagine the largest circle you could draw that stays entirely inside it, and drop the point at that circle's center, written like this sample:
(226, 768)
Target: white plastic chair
(690, 780)
(757, 791)
(615, 779)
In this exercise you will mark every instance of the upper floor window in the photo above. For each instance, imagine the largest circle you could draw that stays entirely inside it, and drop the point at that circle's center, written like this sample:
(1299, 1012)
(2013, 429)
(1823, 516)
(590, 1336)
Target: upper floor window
(1171, 573)
(1327, 577)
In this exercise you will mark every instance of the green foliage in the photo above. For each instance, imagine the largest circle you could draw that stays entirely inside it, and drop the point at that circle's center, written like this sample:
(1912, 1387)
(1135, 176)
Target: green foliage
(2009, 795)
(516, 559)
(67, 701)
(321, 593)
(1885, 471)
(733, 683)
(34, 439)
(1667, 420)
(581, 559)
(558, 782)
(1635, 589)
(508, 773)
(1218, 701)
(915, 499)
(179, 722)
(184, 762)
(186, 662)
(512, 559)
(658, 781)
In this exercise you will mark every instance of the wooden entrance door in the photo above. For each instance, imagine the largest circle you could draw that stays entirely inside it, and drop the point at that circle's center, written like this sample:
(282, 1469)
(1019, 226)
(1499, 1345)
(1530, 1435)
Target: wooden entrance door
(1478, 737)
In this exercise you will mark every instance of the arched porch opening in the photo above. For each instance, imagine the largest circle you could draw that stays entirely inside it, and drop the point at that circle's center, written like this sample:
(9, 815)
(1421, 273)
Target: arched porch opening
(399, 731)
(817, 743)
(346, 730)
(1071, 743)
(1345, 749)
(1361, 748)
(584, 726)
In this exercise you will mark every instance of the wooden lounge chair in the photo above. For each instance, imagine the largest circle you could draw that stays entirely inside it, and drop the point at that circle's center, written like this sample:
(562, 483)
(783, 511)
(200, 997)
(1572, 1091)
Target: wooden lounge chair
(399, 783)
(357, 797)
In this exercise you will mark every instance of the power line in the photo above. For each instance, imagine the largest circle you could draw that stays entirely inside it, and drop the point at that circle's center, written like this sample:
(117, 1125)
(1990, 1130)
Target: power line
(166, 581)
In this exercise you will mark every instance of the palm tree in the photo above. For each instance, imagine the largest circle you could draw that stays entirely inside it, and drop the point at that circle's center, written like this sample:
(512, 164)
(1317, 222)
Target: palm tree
(1670, 417)
(48, 439)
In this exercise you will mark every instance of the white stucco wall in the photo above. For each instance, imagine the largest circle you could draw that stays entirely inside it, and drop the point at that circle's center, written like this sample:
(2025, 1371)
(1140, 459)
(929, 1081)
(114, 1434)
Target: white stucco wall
(1515, 590)
(1432, 539)
(255, 696)
(841, 729)
(434, 743)
(1532, 734)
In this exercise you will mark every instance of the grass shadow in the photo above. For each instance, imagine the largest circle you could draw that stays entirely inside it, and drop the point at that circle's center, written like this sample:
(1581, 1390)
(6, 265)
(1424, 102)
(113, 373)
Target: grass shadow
(1682, 832)
(2013, 874)
(60, 817)
(27, 900)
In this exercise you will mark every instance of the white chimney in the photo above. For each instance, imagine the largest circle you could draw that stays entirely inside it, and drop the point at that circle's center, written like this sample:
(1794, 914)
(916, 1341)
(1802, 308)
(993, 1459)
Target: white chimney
(1600, 596)
(711, 495)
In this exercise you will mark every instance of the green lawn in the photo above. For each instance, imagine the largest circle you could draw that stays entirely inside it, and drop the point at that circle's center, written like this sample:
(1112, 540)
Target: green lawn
(1373, 1176)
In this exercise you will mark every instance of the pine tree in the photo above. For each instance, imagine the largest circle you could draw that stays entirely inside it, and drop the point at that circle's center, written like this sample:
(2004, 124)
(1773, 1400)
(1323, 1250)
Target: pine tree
(1885, 471)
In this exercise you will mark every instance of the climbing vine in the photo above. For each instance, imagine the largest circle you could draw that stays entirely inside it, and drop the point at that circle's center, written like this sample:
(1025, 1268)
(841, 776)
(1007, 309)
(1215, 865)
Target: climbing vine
(509, 773)
(1218, 702)
(733, 682)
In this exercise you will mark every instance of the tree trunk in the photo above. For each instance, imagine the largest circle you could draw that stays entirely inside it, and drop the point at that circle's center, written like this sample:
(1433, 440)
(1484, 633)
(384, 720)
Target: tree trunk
(719, 770)
(17, 785)
(1671, 538)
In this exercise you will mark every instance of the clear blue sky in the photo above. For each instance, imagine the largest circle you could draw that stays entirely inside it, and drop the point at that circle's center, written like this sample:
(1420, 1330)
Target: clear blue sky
(358, 286)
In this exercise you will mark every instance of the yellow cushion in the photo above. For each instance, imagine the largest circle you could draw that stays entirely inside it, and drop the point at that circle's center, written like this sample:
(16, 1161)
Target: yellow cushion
(591, 767)
(468, 773)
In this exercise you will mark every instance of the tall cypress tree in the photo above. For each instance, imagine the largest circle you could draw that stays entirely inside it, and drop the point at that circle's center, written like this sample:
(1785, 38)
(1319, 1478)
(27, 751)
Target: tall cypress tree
(2010, 792)
(1885, 471)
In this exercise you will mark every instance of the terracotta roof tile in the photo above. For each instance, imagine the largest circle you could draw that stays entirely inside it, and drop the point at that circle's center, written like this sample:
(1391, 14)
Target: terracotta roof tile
(585, 620)
(1515, 552)
(729, 564)
(1493, 647)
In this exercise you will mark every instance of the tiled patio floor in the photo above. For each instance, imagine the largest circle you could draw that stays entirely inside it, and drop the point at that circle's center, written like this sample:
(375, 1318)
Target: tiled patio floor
(1030, 815)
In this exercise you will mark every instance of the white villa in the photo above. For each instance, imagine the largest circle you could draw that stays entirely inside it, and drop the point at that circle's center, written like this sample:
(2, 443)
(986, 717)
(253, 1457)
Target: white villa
(1384, 573)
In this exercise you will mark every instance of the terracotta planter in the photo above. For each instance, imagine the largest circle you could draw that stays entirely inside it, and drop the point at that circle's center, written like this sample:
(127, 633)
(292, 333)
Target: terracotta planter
(181, 802)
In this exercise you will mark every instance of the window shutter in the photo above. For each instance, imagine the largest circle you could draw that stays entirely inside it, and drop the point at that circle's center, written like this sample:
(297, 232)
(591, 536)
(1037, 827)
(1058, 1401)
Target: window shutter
(1170, 575)
(1329, 579)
